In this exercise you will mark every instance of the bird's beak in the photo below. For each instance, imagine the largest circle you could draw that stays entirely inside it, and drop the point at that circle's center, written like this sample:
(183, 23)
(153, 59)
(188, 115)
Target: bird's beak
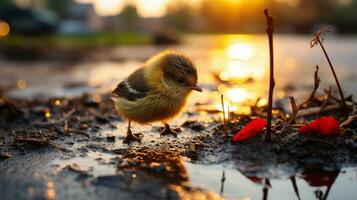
(195, 87)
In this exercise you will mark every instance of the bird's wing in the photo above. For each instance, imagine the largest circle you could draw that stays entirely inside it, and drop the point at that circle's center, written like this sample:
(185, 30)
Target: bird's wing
(134, 87)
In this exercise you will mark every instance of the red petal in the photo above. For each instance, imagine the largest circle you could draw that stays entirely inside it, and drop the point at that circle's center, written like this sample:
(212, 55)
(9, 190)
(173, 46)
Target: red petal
(329, 126)
(323, 126)
(250, 130)
(306, 129)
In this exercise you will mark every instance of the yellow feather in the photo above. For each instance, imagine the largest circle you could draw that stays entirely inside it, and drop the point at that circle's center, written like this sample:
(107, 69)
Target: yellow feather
(153, 107)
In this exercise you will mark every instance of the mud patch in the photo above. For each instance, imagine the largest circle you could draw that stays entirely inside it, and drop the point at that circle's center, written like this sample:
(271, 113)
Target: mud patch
(163, 162)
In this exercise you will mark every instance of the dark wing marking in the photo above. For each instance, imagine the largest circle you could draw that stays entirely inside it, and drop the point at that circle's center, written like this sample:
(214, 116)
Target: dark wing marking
(134, 87)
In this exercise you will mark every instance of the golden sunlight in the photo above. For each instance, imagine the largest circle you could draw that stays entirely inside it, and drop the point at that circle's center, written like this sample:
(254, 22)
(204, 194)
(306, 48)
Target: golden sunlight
(152, 8)
(292, 3)
(240, 51)
(108, 7)
(243, 62)
(239, 95)
(232, 1)
(242, 59)
(227, 108)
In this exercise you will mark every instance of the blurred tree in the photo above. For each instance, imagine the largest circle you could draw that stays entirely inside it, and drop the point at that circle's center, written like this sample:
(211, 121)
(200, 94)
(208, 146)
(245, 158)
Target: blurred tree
(233, 16)
(178, 16)
(130, 17)
(220, 16)
(6, 3)
(345, 17)
(60, 7)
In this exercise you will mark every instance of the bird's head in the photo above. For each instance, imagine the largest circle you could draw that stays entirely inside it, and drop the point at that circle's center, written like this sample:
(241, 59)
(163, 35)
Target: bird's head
(179, 73)
(172, 73)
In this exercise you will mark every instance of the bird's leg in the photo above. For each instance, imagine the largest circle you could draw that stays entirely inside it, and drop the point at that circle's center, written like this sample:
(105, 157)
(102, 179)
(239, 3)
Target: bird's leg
(168, 131)
(130, 137)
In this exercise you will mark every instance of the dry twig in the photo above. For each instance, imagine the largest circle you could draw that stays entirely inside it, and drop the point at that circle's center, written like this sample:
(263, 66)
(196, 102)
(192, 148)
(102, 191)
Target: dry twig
(348, 121)
(316, 110)
(296, 108)
(326, 99)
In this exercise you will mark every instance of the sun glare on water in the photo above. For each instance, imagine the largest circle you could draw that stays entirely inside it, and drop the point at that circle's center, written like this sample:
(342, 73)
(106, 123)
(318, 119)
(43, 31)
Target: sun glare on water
(243, 61)
(240, 65)
(239, 95)
(240, 51)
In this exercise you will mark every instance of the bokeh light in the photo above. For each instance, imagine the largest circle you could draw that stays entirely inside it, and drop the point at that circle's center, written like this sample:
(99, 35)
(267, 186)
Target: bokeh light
(4, 29)
(21, 84)
(57, 102)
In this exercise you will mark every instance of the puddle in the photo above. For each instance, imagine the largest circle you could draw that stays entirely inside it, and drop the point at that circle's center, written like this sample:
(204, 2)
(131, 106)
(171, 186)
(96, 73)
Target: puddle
(309, 185)
(95, 163)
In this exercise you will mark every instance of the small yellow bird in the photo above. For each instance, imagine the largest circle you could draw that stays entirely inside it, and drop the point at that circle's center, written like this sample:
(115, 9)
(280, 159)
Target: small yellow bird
(156, 92)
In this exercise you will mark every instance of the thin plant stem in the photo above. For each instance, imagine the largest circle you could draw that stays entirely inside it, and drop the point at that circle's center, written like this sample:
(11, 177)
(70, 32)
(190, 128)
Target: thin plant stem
(343, 102)
(269, 31)
(224, 117)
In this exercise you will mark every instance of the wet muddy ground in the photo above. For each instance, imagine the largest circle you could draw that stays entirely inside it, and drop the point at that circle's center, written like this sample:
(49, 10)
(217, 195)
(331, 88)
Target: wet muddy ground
(59, 143)
(77, 152)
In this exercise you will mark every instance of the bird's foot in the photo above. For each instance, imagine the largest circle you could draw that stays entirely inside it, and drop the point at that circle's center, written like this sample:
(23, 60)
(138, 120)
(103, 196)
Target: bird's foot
(168, 131)
(133, 137)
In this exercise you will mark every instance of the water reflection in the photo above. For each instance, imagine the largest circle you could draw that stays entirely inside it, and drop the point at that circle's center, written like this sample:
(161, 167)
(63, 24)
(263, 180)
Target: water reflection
(240, 51)
(241, 60)
(222, 183)
(316, 177)
(309, 183)
(296, 189)
(266, 187)
(239, 67)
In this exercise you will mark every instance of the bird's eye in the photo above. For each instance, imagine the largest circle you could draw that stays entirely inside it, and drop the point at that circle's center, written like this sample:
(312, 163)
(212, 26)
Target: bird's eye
(180, 80)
